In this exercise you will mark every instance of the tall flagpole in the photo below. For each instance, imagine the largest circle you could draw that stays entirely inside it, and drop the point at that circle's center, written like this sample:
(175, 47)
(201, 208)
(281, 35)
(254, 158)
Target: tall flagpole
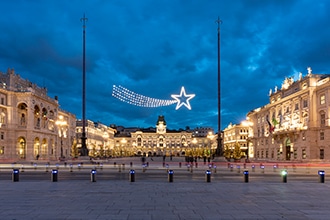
(84, 150)
(219, 147)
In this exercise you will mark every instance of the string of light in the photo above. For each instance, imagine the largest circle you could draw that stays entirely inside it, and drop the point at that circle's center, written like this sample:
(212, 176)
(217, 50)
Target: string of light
(133, 98)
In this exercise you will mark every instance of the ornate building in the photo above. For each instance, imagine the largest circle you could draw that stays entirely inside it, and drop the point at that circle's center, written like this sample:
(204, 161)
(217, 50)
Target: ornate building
(235, 141)
(160, 141)
(294, 126)
(32, 126)
(100, 138)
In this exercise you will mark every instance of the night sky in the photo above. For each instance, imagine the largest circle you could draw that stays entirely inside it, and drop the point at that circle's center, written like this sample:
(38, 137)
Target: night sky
(154, 47)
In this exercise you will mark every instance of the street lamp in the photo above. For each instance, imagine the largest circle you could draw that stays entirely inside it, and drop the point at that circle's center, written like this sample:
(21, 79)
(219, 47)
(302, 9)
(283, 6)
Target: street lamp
(61, 123)
(210, 136)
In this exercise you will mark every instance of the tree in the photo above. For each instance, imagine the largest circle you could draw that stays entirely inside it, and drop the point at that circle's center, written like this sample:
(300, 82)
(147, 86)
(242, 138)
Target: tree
(74, 149)
(227, 152)
(237, 154)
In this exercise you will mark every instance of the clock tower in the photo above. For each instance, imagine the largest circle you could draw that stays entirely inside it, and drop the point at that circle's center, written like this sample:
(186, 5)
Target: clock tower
(161, 125)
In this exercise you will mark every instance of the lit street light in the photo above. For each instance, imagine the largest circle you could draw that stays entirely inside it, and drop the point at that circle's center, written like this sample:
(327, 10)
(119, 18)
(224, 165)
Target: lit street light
(61, 123)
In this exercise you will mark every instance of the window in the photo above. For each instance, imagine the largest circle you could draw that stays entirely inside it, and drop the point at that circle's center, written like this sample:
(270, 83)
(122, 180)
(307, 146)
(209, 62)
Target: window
(321, 154)
(322, 135)
(2, 150)
(322, 99)
(2, 135)
(304, 156)
(295, 154)
(305, 103)
(296, 106)
(322, 118)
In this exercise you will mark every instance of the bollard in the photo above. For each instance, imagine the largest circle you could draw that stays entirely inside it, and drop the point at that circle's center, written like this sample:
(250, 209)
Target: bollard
(71, 167)
(231, 168)
(79, 166)
(274, 168)
(35, 166)
(208, 176)
(15, 175)
(262, 168)
(246, 176)
(114, 164)
(321, 176)
(101, 166)
(54, 176)
(238, 168)
(47, 167)
(132, 176)
(144, 167)
(215, 168)
(170, 176)
(93, 175)
(180, 164)
(284, 176)
(22, 168)
(253, 168)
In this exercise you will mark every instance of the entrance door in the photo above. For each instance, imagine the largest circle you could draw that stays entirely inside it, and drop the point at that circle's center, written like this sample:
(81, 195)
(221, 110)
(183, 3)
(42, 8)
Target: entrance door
(288, 153)
(288, 149)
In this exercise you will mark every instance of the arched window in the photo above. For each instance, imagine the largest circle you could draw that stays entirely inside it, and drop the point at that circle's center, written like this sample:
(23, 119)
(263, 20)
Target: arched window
(37, 116)
(22, 114)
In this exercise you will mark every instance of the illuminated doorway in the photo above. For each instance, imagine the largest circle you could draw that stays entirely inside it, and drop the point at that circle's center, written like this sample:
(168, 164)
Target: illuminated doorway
(21, 147)
(288, 149)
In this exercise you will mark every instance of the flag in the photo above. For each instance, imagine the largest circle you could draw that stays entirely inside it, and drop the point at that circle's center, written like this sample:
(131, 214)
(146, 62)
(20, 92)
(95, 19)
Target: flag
(275, 122)
(271, 127)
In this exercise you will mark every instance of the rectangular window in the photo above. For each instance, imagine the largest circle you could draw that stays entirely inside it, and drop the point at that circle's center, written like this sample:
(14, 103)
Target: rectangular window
(322, 99)
(278, 154)
(304, 156)
(322, 135)
(295, 154)
(2, 101)
(305, 103)
(322, 116)
(2, 135)
(321, 154)
(296, 107)
(2, 150)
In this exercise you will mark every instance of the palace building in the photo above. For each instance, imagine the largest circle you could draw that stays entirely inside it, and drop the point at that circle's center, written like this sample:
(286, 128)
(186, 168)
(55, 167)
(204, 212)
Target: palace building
(294, 125)
(32, 126)
(160, 141)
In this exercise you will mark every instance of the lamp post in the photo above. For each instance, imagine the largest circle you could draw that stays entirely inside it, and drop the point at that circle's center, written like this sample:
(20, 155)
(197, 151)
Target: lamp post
(61, 123)
(210, 137)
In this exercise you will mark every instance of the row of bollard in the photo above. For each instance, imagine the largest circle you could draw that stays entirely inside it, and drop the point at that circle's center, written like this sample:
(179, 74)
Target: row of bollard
(54, 175)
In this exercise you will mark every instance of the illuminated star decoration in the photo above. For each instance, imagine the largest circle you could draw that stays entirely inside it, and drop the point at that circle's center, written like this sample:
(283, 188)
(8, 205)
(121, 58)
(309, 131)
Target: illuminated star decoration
(183, 99)
(133, 98)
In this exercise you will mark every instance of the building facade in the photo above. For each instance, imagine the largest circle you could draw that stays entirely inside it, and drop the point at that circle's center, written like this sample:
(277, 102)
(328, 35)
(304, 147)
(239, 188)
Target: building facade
(294, 125)
(28, 122)
(100, 138)
(160, 141)
(236, 141)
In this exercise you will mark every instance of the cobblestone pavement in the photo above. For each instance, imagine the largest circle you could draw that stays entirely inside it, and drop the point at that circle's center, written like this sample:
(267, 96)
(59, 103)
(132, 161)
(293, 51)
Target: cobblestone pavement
(224, 197)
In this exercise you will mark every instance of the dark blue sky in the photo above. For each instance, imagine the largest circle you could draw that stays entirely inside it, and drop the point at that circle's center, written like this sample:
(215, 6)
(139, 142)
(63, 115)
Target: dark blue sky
(155, 47)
